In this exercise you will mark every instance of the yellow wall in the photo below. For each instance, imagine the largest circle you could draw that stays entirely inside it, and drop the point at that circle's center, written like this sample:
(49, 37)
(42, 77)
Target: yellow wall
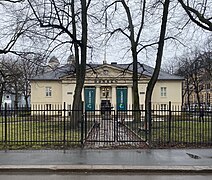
(68, 92)
(174, 92)
(38, 92)
(64, 92)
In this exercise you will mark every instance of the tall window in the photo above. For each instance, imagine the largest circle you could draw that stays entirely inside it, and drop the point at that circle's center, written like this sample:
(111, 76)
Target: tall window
(48, 91)
(163, 91)
(105, 92)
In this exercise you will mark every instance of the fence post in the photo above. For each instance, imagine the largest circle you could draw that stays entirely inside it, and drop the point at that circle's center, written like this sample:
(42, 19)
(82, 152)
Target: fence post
(64, 124)
(85, 121)
(170, 117)
(82, 128)
(81, 122)
(5, 125)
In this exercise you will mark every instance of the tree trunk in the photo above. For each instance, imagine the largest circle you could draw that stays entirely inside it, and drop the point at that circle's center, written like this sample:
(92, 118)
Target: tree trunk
(26, 101)
(198, 97)
(80, 66)
(154, 77)
(134, 45)
(1, 96)
(136, 107)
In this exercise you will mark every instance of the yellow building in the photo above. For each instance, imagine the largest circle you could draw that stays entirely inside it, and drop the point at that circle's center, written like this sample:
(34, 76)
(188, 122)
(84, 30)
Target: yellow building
(104, 84)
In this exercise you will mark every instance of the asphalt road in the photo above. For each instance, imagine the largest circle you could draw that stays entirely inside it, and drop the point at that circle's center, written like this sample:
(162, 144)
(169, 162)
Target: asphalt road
(102, 177)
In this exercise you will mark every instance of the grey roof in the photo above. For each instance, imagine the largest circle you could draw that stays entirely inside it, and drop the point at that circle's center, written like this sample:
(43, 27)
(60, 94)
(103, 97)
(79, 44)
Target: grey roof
(69, 69)
(55, 74)
(148, 71)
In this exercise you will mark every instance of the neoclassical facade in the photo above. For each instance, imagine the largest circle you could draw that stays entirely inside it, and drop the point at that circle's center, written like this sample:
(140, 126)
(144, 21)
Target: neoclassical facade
(109, 84)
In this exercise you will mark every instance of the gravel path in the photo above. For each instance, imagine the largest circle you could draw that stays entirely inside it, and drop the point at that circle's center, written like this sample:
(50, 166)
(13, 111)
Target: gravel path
(107, 133)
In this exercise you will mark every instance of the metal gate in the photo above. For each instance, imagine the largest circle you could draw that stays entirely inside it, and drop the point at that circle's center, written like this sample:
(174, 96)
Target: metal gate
(100, 126)
(114, 128)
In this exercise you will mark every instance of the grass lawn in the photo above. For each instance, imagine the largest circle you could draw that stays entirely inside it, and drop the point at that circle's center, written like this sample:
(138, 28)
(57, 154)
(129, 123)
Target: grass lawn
(38, 133)
(187, 132)
(25, 132)
(177, 131)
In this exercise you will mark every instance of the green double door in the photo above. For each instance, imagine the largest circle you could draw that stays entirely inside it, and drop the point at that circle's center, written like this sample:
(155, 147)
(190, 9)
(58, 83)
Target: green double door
(90, 98)
(121, 98)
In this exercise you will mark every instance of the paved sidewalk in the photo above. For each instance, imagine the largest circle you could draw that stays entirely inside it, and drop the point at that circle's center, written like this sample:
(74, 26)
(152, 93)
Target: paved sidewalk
(178, 160)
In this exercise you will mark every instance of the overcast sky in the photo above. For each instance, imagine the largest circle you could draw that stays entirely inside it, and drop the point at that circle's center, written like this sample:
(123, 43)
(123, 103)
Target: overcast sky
(118, 48)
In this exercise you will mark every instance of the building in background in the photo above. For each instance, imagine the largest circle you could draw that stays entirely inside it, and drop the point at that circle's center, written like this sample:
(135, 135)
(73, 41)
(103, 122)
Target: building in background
(105, 84)
(9, 99)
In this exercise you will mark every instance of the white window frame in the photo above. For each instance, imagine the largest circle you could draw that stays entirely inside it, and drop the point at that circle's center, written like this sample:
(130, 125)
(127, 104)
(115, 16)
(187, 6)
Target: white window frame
(163, 91)
(48, 91)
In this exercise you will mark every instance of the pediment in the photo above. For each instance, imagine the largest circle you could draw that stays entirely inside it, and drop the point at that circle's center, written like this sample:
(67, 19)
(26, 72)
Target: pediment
(109, 71)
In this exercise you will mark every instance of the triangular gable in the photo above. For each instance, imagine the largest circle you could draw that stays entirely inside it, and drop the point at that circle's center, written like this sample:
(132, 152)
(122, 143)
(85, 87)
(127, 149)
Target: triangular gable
(107, 70)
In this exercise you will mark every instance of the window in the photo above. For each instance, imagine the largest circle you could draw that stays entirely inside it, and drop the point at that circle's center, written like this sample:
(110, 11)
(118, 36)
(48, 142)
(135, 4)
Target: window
(163, 91)
(48, 91)
(105, 92)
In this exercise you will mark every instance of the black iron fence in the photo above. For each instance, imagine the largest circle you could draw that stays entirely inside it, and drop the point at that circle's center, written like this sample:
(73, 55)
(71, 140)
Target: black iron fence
(39, 126)
(57, 126)
(177, 127)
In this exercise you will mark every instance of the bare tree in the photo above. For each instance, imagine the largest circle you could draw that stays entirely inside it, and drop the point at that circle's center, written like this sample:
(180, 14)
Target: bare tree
(196, 68)
(9, 75)
(67, 19)
(134, 38)
(199, 12)
(16, 30)
(30, 65)
(16, 73)
(154, 77)
(3, 77)
(12, 1)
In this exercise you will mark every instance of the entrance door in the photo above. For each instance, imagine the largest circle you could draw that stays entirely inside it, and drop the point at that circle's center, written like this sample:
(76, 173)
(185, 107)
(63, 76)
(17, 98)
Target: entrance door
(121, 98)
(90, 93)
(105, 107)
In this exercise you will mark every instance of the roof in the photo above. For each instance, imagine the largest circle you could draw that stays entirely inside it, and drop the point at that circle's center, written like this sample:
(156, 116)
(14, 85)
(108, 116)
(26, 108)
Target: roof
(69, 69)
(55, 74)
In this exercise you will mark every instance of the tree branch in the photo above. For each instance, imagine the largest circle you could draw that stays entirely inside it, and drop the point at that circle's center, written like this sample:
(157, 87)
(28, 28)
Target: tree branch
(203, 22)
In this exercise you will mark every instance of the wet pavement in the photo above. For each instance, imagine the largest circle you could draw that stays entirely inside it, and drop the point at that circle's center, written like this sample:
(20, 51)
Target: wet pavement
(132, 157)
(103, 177)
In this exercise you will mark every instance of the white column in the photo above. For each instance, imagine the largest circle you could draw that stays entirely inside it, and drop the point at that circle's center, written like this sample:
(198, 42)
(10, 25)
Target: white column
(98, 100)
(129, 97)
(113, 101)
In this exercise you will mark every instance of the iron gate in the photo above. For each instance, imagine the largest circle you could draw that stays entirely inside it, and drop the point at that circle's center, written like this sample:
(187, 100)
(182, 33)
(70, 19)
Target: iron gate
(114, 127)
